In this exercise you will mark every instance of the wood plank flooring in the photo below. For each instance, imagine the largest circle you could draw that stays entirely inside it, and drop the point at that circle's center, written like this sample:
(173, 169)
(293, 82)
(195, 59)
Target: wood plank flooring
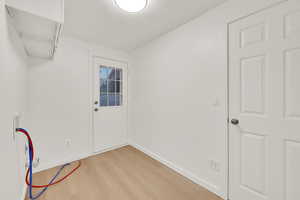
(123, 174)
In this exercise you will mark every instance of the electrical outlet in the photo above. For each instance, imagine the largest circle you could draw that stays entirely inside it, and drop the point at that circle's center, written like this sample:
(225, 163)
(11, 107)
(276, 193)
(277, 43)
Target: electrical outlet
(218, 167)
(215, 165)
(68, 143)
(36, 162)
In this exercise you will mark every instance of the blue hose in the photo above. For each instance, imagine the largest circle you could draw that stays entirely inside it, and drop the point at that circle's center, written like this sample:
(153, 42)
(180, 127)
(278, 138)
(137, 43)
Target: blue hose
(30, 178)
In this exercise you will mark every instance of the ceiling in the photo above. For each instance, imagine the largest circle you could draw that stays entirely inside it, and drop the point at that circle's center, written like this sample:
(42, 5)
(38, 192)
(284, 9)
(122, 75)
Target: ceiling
(103, 23)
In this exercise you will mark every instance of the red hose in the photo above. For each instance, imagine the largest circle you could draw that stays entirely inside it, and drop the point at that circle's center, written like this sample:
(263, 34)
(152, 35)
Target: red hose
(56, 182)
(27, 173)
(29, 140)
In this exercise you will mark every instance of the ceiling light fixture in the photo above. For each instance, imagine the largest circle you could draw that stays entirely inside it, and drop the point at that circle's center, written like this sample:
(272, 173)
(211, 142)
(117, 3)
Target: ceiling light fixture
(132, 6)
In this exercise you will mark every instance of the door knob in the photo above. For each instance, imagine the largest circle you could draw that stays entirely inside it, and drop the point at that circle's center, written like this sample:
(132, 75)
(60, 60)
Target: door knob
(96, 109)
(96, 102)
(235, 121)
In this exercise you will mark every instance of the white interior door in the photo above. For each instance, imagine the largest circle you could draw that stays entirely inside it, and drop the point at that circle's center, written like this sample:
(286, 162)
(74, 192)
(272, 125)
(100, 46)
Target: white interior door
(110, 103)
(264, 64)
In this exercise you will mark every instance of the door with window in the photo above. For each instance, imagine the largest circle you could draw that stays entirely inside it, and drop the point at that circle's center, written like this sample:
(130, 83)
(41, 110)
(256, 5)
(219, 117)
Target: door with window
(110, 103)
(264, 65)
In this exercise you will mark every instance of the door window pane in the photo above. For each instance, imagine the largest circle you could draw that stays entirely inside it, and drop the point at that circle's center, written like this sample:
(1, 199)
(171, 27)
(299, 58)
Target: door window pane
(111, 73)
(103, 73)
(118, 100)
(103, 86)
(118, 87)
(103, 100)
(118, 74)
(110, 86)
(111, 100)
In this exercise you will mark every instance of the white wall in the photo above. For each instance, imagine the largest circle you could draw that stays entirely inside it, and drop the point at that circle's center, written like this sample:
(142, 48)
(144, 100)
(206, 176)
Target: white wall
(13, 85)
(179, 94)
(60, 102)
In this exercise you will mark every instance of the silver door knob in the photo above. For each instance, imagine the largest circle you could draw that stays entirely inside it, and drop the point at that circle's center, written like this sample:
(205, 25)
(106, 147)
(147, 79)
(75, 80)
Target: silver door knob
(235, 121)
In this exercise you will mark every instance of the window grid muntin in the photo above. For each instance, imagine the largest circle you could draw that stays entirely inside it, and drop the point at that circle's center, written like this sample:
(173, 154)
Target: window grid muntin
(111, 77)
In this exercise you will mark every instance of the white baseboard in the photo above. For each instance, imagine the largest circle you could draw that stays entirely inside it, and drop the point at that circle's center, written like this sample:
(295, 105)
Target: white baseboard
(50, 165)
(203, 183)
(24, 192)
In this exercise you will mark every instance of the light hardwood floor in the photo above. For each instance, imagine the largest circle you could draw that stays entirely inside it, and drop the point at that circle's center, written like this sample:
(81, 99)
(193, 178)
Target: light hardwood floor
(123, 174)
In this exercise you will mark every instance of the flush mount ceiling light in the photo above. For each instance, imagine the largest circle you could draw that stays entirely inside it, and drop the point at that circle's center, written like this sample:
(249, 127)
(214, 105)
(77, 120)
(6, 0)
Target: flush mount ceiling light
(132, 5)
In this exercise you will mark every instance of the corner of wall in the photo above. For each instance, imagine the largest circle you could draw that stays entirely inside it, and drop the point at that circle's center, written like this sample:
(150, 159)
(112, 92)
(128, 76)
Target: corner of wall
(189, 175)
